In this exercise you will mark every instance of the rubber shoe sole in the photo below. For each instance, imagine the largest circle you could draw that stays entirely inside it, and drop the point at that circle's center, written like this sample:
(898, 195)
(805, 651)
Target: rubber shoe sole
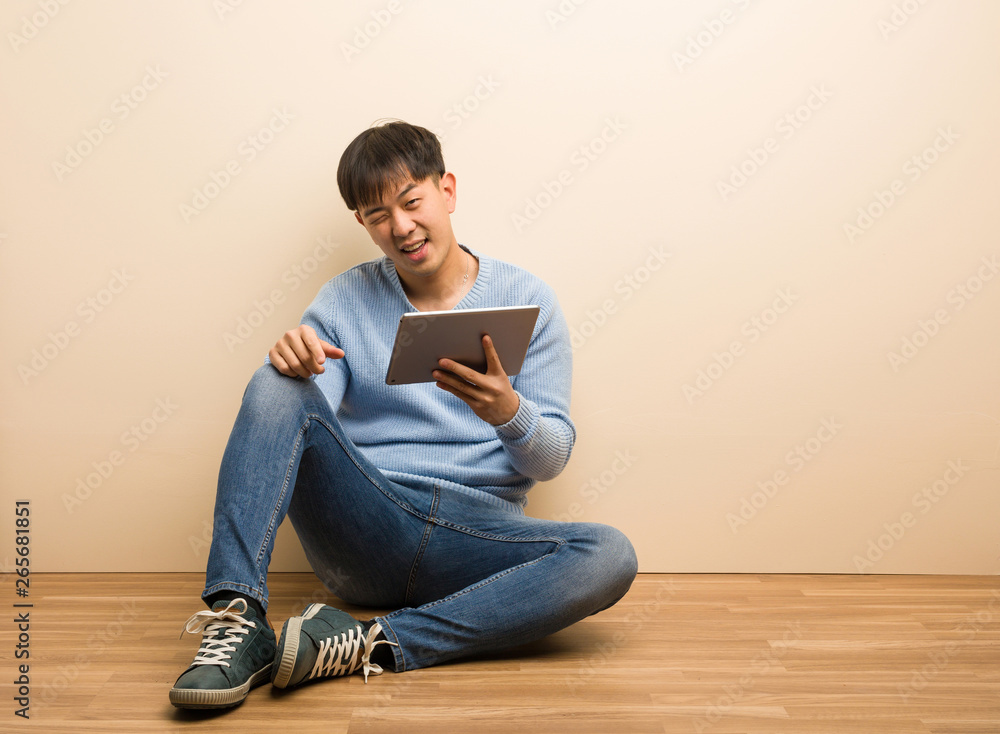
(199, 698)
(288, 646)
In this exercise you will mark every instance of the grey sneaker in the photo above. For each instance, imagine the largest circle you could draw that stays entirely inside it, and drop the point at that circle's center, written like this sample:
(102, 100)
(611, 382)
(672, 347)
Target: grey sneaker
(236, 654)
(324, 642)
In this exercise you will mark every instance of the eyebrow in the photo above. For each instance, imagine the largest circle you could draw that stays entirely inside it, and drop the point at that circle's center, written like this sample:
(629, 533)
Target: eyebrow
(368, 212)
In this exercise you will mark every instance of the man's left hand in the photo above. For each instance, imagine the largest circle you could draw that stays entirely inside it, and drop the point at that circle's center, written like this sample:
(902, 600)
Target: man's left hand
(489, 395)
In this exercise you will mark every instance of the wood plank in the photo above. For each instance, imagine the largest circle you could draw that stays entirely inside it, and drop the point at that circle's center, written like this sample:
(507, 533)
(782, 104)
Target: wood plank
(724, 653)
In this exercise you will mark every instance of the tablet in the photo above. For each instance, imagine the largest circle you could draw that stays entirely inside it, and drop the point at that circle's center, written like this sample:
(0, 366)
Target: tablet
(424, 337)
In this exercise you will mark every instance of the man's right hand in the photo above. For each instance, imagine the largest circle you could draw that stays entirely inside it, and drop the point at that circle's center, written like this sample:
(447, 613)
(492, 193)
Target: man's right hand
(300, 353)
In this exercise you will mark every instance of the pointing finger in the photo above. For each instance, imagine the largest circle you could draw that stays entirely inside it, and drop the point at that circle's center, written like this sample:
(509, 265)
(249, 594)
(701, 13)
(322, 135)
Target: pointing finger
(314, 345)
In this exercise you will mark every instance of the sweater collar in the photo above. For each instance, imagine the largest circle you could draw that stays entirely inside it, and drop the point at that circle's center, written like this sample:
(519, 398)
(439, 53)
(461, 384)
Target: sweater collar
(469, 300)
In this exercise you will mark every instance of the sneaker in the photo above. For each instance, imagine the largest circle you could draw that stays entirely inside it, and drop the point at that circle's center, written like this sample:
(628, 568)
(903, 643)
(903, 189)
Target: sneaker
(324, 642)
(236, 654)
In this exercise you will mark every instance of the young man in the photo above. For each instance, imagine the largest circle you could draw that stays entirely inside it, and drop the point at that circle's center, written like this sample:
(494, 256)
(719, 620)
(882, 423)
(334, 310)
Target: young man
(411, 496)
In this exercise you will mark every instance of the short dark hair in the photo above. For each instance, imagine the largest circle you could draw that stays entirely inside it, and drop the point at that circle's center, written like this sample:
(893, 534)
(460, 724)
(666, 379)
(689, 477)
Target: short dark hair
(383, 156)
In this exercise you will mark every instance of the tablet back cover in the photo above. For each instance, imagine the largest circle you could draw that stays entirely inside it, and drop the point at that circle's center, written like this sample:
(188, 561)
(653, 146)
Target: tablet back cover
(423, 338)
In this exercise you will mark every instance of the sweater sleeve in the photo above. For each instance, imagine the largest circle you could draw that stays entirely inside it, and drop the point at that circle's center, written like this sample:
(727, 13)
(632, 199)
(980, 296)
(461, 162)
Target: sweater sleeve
(321, 316)
(540, 436)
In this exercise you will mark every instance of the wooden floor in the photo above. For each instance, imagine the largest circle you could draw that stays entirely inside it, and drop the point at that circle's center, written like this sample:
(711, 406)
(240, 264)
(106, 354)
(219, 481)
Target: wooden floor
(681, 653)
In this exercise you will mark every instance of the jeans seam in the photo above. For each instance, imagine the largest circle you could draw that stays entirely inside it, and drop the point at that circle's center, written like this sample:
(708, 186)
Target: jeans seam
(424, 540)
(491, 536)
(480, 584)
(281, 495)
(392, 497)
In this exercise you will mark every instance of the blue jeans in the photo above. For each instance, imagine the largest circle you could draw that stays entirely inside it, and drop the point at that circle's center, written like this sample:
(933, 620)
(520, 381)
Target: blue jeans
(469, 572)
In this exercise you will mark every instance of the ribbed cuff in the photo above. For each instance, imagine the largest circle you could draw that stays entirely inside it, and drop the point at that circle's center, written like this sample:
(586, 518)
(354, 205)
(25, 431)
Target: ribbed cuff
(522, 425)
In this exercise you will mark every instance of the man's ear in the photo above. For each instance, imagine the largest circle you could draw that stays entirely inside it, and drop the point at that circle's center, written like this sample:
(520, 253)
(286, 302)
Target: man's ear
(447, 187)
(360, 220)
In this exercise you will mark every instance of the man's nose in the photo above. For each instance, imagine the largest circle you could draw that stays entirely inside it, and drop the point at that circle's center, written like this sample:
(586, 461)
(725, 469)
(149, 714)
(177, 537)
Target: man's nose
(402, 224)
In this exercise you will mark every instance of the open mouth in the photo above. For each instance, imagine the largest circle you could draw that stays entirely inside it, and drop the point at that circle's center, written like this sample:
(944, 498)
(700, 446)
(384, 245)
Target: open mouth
(414, 250)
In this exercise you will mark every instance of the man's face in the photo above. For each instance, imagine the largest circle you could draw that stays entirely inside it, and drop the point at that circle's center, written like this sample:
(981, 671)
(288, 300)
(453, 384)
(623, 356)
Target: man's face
(412, 224)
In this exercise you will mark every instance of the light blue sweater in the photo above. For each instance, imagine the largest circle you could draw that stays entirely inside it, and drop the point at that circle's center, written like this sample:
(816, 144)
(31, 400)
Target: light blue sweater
(419, 431)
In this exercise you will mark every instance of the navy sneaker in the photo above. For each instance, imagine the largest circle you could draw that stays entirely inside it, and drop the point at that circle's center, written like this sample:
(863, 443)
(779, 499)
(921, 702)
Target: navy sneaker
(236, 654)
(322, 643)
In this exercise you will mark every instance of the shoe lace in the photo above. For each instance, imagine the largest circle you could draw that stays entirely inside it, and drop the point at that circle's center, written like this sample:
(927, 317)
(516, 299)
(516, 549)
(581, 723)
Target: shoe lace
(222, 630)
(339, 655)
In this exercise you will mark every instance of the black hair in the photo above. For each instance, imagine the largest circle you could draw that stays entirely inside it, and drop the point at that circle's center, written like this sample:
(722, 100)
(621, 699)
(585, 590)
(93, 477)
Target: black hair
(384, 156)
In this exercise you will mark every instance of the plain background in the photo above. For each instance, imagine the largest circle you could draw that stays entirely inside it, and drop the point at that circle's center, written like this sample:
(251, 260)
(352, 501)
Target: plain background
(773, 228)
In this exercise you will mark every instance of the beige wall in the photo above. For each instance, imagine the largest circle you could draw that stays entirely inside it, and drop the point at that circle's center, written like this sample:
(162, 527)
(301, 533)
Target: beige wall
(735, 337)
